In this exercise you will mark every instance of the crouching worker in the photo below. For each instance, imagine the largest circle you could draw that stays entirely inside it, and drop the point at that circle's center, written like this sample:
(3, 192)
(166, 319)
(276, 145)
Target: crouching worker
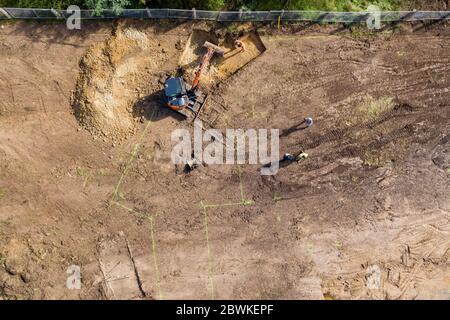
(290, 158)
(300, 156)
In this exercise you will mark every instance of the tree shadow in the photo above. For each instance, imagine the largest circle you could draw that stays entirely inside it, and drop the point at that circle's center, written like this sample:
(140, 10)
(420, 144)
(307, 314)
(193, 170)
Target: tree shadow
(165, 26)
(53, 32)
(344, 27)
(309, 24)
(426, 25)
(393, 24)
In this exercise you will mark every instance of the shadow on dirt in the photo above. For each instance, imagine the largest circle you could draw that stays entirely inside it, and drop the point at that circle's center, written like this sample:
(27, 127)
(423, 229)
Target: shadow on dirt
(51, 32)
(166, 26)
(426, 25)
(296, 127)
(152, 108)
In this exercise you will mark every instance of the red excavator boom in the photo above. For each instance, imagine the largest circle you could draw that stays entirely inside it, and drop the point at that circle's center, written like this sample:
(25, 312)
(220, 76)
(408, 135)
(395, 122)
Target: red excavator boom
(212, 48)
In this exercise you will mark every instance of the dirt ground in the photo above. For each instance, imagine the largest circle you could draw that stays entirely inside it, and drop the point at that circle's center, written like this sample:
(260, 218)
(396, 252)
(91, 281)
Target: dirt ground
(366, 216)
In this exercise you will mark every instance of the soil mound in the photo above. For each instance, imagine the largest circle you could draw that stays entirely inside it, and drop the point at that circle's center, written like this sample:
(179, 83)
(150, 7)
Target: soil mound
(114, 75)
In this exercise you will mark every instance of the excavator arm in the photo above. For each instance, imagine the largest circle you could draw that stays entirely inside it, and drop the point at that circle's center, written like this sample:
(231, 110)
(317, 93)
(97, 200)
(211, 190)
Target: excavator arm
(212, 48)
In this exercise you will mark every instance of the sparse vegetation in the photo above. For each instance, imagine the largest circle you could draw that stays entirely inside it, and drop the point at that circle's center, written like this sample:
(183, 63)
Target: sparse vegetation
(359, 32)
(55, 4)
(99, 5)
(375, 159)
(103, 172)
(369, 110)
(326, 5)
(2, 192)
(2, 260)
(117, 5)
(328, 296)
(81, 172)
(277, 198)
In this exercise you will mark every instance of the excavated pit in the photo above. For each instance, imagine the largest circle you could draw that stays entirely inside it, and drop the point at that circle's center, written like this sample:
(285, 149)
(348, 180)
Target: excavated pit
(131, 66)
(116, 74)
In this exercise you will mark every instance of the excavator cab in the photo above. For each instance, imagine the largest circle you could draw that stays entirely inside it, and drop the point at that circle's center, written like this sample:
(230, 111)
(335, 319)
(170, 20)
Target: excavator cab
(175, 93)
(189, 102)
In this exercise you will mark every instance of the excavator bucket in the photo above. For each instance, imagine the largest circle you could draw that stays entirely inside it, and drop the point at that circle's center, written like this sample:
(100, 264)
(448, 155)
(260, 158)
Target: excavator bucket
(229, 60)
(237, 57)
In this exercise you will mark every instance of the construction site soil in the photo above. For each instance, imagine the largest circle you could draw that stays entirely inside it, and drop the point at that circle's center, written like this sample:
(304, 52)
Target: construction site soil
(86, 177)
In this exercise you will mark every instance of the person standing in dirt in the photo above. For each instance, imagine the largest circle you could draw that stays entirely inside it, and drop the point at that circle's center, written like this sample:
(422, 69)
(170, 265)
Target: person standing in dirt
(308, 121)
(240, 44)
(301, 155)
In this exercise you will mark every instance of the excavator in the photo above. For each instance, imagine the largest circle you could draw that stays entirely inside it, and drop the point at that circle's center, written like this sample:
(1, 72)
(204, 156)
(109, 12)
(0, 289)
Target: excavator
(189, 101)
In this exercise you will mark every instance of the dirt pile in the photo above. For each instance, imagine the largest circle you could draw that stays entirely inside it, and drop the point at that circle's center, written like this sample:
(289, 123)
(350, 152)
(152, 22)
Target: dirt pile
(115, 75)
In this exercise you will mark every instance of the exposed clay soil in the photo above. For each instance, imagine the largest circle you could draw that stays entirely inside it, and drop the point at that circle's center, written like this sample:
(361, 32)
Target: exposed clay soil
(221, 66)
(115, 75)
(373, 196)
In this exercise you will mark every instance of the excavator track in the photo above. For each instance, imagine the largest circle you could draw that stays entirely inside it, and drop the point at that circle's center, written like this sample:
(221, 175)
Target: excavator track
(211, 113)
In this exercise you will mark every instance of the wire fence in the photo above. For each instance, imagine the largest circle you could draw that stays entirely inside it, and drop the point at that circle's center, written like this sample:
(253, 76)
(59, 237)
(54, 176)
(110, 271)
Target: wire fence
(228, 16)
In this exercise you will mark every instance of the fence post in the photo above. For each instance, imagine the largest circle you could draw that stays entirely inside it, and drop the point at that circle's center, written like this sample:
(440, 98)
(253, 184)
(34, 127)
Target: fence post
(5, 13)
(279, 20)
(56, 13)
(275, 15)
